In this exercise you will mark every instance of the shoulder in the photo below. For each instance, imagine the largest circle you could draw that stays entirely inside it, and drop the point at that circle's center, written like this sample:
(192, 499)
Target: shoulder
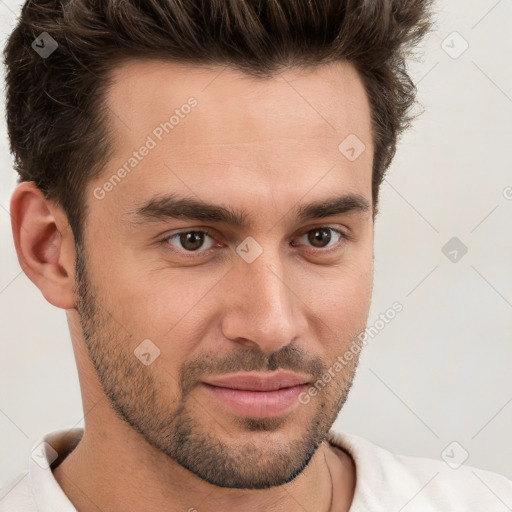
(17, 495)
(385, 479)
(36, 489)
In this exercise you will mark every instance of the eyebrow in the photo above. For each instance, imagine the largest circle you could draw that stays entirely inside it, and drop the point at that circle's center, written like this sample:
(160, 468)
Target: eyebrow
(161, 208)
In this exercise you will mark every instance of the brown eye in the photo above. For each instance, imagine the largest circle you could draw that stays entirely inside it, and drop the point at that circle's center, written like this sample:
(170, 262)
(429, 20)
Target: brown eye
(190, 241)
(322, 237)
(319, 237)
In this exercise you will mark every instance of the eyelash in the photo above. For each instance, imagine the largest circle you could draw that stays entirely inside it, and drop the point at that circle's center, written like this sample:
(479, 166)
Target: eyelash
(193, 254)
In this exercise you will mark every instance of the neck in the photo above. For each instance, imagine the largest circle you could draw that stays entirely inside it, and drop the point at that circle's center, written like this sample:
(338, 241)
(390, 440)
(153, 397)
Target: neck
(115, 469)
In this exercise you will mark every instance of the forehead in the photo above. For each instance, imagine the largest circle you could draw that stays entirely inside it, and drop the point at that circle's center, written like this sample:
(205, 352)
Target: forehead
(284, 131)
(321, 101)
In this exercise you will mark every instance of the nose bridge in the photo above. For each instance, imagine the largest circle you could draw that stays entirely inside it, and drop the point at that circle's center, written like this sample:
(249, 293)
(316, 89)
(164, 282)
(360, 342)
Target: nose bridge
(260, 305)
(269, 292)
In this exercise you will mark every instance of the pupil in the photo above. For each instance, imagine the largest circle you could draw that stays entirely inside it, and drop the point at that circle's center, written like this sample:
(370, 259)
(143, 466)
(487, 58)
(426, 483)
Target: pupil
(192, 240)
(317, 237)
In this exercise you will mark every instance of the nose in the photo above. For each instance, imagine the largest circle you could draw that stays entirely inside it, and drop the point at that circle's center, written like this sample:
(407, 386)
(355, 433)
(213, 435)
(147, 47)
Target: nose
(261, 307)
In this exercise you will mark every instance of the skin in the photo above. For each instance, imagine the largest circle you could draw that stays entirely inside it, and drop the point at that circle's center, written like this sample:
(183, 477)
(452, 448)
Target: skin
(154, 439)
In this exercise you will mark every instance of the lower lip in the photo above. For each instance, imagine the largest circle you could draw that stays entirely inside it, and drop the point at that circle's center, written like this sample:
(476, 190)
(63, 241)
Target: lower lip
(257, 404)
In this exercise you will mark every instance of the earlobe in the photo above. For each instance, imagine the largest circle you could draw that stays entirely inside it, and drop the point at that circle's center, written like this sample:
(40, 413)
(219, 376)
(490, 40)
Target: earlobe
(44, 244)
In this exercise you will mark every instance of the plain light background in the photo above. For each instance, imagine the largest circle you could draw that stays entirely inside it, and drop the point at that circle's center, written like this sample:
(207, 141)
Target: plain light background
(441, 370)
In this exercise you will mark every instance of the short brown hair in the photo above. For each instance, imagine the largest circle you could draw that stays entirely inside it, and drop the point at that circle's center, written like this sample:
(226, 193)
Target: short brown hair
(57, 119)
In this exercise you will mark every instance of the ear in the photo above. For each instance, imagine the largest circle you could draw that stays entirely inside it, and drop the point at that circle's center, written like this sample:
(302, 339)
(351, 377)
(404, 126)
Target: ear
(44, 244)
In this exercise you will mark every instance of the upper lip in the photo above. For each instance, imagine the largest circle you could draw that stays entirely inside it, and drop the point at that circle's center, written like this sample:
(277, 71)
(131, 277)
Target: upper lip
(254, 381)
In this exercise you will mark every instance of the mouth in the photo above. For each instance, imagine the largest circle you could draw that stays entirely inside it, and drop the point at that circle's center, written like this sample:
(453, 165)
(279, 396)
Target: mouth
(257, 395)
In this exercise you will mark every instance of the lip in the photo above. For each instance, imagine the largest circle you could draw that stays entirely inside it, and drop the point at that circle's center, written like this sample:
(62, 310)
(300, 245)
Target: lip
(258, 395)
(256, 404)
(263, 381)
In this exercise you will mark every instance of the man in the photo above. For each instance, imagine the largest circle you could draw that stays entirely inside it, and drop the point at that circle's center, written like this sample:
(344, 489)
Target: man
(199, 184)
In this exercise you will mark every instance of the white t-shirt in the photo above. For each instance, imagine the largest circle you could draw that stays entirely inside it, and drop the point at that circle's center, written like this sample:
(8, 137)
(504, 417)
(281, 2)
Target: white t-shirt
(385, 482)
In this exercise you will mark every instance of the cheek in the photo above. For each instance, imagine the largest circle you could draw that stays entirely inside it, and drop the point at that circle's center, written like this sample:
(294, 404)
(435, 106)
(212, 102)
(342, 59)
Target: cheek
(343, 293)
(169, 307)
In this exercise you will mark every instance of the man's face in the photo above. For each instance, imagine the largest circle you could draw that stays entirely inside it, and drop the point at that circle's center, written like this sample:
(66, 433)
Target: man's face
(280, 291)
